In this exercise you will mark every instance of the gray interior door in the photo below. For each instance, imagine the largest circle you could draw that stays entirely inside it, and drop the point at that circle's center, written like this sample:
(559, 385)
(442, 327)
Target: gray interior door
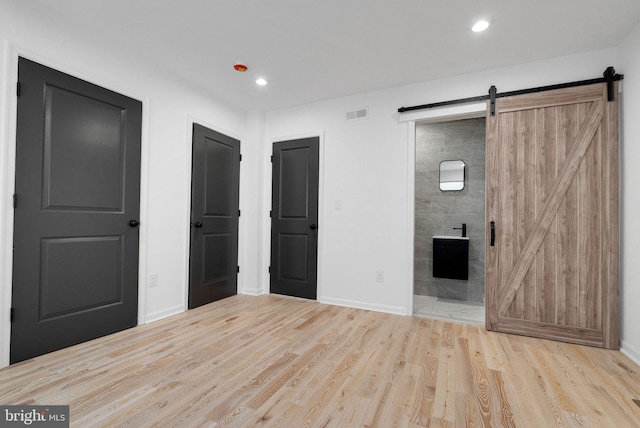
(294, 218)
(75, 263)
(215, 193)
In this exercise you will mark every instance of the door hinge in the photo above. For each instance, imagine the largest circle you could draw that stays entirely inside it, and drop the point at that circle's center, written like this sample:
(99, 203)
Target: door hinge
(270, 213)
(12, 315)
(240, 157)
(237, 269)
(269, 269)
(15, 200)
(239, 211)
(18, 89)
(272, 158)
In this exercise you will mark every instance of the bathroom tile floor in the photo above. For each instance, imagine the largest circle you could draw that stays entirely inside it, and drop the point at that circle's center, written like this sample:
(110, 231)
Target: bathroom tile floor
(450, 310)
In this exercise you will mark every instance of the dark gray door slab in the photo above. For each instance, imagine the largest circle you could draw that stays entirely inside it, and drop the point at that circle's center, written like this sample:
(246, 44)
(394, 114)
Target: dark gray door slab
(75, 263)
(294, 218)
(215, 193)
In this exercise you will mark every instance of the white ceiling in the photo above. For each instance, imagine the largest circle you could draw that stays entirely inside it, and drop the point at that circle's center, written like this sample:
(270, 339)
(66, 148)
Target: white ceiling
(311, 50)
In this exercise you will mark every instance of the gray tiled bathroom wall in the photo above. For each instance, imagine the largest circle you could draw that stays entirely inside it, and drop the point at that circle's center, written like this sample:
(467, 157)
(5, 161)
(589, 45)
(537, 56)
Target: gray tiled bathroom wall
(437, 212)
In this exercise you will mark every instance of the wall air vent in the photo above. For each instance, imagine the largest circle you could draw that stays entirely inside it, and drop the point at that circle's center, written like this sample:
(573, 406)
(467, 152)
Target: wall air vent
(361, 113)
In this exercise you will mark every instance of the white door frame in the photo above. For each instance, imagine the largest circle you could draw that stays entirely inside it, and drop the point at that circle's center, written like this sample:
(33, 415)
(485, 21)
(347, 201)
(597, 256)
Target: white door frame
(444, 114)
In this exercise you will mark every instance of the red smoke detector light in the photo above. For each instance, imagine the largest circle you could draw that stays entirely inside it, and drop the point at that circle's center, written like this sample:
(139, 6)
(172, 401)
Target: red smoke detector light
(240, 68)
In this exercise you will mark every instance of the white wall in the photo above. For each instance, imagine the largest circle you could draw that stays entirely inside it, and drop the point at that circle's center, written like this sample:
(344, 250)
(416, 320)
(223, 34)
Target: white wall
(630, 154)
(368, 166)
(169, 108)
(250, 185)
(363, 161)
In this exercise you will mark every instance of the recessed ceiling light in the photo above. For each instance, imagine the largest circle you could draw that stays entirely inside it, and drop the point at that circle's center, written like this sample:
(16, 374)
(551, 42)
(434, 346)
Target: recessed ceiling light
(480, 26)
(261, 82)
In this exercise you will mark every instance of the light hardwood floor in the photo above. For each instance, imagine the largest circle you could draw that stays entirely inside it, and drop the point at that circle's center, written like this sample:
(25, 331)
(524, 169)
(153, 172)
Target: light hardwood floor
(274, 361)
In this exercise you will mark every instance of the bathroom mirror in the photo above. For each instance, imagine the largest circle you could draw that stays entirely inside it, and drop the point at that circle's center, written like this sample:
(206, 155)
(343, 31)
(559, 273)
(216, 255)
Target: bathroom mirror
(451, 175)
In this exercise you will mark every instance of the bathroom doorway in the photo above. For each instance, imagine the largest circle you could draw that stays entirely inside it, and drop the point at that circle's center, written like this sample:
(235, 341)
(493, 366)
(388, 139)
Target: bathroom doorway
(442, 212)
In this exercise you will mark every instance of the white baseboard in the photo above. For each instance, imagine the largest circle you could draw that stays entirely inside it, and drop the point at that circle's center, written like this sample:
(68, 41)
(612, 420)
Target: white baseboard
(630, 352)
(165, 313)
(396, 310)
(157, 316)
(251, 291)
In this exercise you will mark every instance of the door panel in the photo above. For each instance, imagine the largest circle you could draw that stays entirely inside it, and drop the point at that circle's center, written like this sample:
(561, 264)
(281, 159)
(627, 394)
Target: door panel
(219, 168)
(294, 183)
(98, 261)
(217, 248)
(215, 193)
(552, 183)
(75, 266)
(294, 218)
(86, 133)
(293, 254)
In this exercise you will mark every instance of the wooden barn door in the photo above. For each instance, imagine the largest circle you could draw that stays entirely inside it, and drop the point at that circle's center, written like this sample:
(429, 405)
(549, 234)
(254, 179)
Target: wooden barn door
(552, 208)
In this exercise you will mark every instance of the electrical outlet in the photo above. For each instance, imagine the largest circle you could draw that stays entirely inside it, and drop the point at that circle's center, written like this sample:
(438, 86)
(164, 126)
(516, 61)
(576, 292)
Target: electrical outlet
(153, 280)
(379, 276)
(338, 204)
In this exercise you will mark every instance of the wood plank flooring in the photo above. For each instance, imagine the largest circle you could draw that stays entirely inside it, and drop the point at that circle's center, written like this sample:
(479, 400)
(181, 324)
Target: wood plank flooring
(272, 361)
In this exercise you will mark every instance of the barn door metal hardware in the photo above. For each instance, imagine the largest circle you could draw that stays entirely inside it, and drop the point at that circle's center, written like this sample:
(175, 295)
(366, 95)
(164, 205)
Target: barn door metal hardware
(492, 99)
(609, 77)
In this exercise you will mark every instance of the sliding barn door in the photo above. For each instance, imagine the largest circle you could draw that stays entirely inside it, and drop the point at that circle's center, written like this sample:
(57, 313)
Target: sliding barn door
(552, 208)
